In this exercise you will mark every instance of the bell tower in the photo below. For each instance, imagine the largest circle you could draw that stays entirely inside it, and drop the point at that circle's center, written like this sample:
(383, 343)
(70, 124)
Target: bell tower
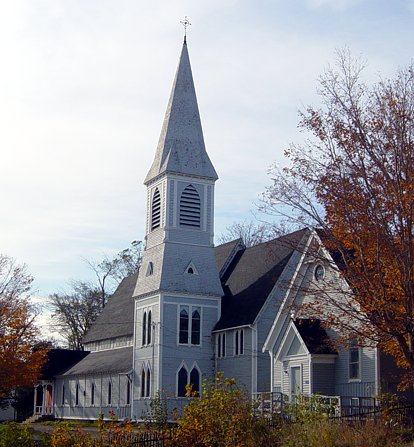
(178, 281)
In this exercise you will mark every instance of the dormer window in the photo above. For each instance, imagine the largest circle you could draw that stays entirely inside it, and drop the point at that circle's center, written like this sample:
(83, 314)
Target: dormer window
(191, 270)
(190, 208)
(156, 210)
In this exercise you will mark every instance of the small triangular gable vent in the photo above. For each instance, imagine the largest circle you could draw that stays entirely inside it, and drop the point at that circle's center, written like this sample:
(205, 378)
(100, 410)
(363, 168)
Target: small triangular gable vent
(191, 270)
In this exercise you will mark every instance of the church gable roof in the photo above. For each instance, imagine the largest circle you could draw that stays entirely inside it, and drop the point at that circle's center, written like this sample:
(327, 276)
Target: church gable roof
(117, 317)
(251, 277)
(181, 147)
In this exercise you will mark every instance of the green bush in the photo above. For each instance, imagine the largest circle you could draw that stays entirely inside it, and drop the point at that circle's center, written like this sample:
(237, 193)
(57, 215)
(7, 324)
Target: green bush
(16, 435)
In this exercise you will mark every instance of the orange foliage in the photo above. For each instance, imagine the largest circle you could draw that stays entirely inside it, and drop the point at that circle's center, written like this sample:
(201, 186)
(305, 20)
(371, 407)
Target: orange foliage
(20, 364)
(355, 180)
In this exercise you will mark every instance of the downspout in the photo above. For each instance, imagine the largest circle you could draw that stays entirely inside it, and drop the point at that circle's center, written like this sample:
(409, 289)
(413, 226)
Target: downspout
(310, 376)
(254, 359)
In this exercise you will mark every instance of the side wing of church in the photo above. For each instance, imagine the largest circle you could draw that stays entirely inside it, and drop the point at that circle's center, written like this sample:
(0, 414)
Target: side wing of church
(193, 309)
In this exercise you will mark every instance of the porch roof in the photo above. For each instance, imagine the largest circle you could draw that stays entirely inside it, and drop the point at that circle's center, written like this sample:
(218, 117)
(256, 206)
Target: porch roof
(100, 362)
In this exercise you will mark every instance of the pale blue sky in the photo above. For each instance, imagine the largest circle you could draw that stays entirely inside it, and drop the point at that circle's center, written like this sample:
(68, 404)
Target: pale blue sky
(83, 89)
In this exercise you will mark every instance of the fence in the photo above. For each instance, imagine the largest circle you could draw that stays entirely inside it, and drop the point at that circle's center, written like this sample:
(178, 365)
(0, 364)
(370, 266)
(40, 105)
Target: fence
(143, 439)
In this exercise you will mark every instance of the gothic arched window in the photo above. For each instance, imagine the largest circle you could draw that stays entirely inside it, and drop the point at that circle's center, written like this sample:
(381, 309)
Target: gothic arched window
(182, 382)
(195, 327)
(128, 393)
(195, 380)
(93, 394)
(190, 208)
(183, 334)
(148, 384)
(149, 327)
(156, 210)
(77, 394)
(109, 393)
(142, 394)
(144, 329)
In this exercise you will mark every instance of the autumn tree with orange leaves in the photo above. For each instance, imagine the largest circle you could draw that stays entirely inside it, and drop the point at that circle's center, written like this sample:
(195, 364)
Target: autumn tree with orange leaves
(20, 364)
(354, 179)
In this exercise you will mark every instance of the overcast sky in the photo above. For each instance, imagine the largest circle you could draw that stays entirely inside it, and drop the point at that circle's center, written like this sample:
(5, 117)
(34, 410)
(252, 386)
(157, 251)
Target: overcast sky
(84, 86)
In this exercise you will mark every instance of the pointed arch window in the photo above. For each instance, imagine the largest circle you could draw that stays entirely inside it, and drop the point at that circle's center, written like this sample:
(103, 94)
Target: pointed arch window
(195, 380)
(148, 384)
(93, 394)
(221, 345)
(182, 382)
(144, 329)
(190, 208)
(195, 327)
(239, 342)
(128, 393)
(109, 393)
(183, 334)
(77, 394)
(156, 210)
(143, 383)
(149, 327)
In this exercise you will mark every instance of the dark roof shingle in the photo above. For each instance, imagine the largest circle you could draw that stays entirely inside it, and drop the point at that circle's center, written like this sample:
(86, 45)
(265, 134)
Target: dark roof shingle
(251, 277)
(117, 317)
(100, 362)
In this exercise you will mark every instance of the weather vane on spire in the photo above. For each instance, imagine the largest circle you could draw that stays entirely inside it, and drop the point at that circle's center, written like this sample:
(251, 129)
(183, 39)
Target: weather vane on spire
(186, 23)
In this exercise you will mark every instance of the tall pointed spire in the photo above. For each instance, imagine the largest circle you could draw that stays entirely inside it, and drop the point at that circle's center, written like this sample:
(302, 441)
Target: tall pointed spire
(181, 148)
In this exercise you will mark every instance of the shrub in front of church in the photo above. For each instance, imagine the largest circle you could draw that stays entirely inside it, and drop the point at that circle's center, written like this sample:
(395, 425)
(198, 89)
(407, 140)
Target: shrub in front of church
(16, 435)
(221, 417)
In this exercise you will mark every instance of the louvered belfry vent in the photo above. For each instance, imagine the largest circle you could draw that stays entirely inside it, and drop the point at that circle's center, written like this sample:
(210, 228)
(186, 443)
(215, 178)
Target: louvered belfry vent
(190, 206)
(156, 210)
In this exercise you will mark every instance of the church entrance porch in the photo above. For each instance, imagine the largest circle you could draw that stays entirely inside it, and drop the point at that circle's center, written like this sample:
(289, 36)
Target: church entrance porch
(43, 399)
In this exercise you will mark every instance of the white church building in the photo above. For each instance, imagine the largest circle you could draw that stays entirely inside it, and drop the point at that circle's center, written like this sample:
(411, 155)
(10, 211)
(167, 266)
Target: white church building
(195, 309)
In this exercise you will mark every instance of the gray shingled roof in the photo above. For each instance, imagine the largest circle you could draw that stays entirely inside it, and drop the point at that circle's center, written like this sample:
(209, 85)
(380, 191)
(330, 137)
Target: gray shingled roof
(117, 318)
(111, 361)
(251, 277)
(225, 253)
(181, 145)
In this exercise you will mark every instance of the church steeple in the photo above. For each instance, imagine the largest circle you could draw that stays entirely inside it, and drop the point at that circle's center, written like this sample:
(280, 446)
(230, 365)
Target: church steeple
(181, 148)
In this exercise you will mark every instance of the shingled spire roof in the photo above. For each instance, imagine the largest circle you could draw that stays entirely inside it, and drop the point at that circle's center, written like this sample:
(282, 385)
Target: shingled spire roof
(181, 147)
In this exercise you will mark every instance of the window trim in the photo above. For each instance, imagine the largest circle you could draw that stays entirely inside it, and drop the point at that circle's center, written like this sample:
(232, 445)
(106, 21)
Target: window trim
(238, 347)
(190, 309)
(157, 213)
(355, 348)
(188, 371)
(190, 209)
(147, 328)
(221, 345)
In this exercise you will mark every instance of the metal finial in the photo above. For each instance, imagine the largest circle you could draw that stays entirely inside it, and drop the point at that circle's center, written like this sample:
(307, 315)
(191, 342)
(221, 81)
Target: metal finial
(186, 23)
